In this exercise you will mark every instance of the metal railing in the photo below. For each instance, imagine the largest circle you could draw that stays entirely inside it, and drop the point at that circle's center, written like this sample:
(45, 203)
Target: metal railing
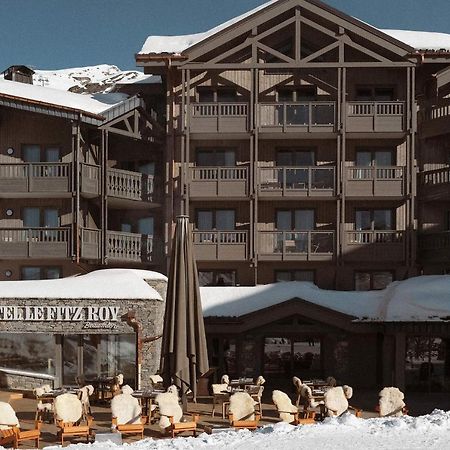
(296, 242)
(34, 235)
(218, 173)
(394, 108)
(290, 114)
(219, 109)
(435, 177)
(375, 237)
(219, 237)
(375, 173)
(129, 246)
(296, 178)
(130, 185)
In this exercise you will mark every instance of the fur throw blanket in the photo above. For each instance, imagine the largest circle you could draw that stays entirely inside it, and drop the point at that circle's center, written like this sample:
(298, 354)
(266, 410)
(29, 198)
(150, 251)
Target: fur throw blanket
(297, 383)
(127, 389)
(307, 397)
(86, 392)
(284, 406)
(260, 381)
(391, 402)
(126, 409)
(168, 406)
(219, 389)
(336, 400)
(7, 416)
(68, 408)
(242, 406)
(225, 379)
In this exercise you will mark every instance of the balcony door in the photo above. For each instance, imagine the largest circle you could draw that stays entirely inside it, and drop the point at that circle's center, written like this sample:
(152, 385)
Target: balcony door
(216, 219)
(374, 219)
(36, 217)
(297, 176)
(294, 224)
(216, 157)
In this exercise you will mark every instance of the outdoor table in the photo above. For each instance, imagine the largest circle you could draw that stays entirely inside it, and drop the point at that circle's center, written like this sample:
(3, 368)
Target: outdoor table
(241, 382)
(146, 399)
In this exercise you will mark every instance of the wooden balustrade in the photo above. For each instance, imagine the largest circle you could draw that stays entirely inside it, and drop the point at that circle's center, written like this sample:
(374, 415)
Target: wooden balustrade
(435, 177)
(375, 237)
(218, 173)
(375, 173)
(376, 117)
(221, 245)
(132, 247)
(219, 117)
(130, 185)
(395, 108)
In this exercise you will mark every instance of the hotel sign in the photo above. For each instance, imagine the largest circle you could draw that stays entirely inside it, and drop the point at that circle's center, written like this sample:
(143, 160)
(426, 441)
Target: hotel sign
(96, 314)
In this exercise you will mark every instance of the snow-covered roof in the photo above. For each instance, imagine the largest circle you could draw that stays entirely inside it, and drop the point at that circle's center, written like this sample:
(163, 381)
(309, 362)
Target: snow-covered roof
(105, 284)
(419, 40)
(425, 298)
(92, 104)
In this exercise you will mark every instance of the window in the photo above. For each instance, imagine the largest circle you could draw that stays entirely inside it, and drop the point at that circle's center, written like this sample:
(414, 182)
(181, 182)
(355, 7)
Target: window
(217, 277)
(34, 153)
(40, 217)
(215, 157)
(40, 273)
(145, 226)
(374, 219)
(378, 94)
(207, 94)
(216, 219)
(295, 219)
(305, 93)
(380, 158)
(296, 157)
(294, 275)
(367, 281)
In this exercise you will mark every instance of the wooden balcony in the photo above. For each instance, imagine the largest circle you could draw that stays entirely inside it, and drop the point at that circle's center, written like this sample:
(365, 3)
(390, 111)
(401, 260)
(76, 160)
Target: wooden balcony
(435, 184)
(380, 117)
(22, 179)
(120, 246)
(219, 118)
(220, 245)
(374, 245)
(122, 184)
(296, 245)
(304, 117)
(375, 181)
(216, 182)
(295, 182)
(434, 247)
(42, 243)
(435, 121)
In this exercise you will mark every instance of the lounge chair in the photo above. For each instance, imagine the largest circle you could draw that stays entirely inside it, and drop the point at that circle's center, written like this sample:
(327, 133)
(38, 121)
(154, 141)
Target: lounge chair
(242, 412)
(290, 413)
(171, 415)
(10, 432)
(44, 409)
(69, 417)
(85, 393)
(298, 386)
(127, 415)
(220, 397)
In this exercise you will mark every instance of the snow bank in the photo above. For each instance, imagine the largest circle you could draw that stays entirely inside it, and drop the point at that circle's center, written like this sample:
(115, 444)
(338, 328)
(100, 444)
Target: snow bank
(107, 283)
(87, 103)
(425, 298)
(346, 433)
(422, 40)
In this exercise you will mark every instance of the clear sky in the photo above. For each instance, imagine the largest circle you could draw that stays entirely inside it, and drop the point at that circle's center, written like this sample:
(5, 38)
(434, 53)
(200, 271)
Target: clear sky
(52, 34)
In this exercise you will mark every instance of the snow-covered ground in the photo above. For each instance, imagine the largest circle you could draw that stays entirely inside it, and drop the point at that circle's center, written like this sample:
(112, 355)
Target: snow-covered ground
(347, 433)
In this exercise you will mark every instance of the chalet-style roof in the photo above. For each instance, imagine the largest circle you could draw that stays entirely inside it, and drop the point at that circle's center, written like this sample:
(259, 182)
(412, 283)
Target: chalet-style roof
(419, 299)
(95, 109)
(176, 45)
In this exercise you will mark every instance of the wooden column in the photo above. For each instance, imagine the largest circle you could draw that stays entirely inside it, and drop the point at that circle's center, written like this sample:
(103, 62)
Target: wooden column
(399, 363)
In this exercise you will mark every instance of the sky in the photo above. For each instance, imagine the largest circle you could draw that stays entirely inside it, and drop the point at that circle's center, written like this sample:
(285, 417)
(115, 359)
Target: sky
(55, 34)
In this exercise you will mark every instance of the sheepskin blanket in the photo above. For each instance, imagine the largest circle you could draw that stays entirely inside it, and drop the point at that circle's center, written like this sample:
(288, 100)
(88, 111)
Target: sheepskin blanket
(284, 406)
(225, 379)
(7, 416)
(297, 383)
(219, 388)
(119, 379)
(260, 381)
(306, 397)
(41, 406)
(126, 409)
(127, 389)
(68, 408)
(336, 401)
(391, 402)
(86, 392)
(168, 406)
(242, 406)
(172, 389)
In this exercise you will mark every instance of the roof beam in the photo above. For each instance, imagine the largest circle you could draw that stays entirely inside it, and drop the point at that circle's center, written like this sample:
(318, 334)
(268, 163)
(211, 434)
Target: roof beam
(321, 52)
(348, 41)
(274, 52)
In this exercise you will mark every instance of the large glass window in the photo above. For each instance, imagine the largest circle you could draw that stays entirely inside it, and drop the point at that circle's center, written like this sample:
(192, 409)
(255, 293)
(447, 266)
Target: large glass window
(295, 219)
(216, 219)
(210, 157)
(217, 277)
(40, 272)
(34, 352)
(366, 281)
(294, 275)
(380, 158)
(40, 217)
(374, 219)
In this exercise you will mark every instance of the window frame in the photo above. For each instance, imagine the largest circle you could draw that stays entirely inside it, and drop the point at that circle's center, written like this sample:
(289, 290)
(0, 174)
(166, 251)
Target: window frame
(292, 211)
(371, 282)
(42, 152)
(42, 270)
(214, 211)
(41, 215)
(372, 222)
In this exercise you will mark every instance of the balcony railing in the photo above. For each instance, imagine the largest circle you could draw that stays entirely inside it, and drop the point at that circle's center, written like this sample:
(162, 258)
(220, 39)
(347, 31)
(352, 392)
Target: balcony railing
(219, 117)
(434, 247)
(304, 116)
(292, 181)
(304, 245)
(218, 181)
(220, 245)
(382, 245)
(435, 177)
(35, 178)
(375, 181)
(376, 116)
(34, 242)
(120, 246)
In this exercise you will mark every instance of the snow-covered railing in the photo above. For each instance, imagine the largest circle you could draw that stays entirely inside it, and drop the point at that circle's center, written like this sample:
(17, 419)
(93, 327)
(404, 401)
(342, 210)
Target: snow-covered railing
(434, 177)
(296, 242)
(291, 114)
(296, 178)
(130, 185)
(218, 173)
(375, 173)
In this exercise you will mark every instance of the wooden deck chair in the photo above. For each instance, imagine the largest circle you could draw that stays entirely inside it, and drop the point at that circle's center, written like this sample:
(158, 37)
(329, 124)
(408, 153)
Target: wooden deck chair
(256, 393)
(220, 397)
(10, 432)
(242, 412)
(288, 412)
(181, 427)
(84, 395)
(44, 409)
(127, 415)
(68, 415)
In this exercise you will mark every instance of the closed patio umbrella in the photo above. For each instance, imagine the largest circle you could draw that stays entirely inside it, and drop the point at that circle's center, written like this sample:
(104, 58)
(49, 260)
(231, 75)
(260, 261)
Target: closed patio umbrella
(184, 356)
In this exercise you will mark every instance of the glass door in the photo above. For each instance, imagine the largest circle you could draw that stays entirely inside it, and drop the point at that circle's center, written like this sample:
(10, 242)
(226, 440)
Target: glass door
(71, 358)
